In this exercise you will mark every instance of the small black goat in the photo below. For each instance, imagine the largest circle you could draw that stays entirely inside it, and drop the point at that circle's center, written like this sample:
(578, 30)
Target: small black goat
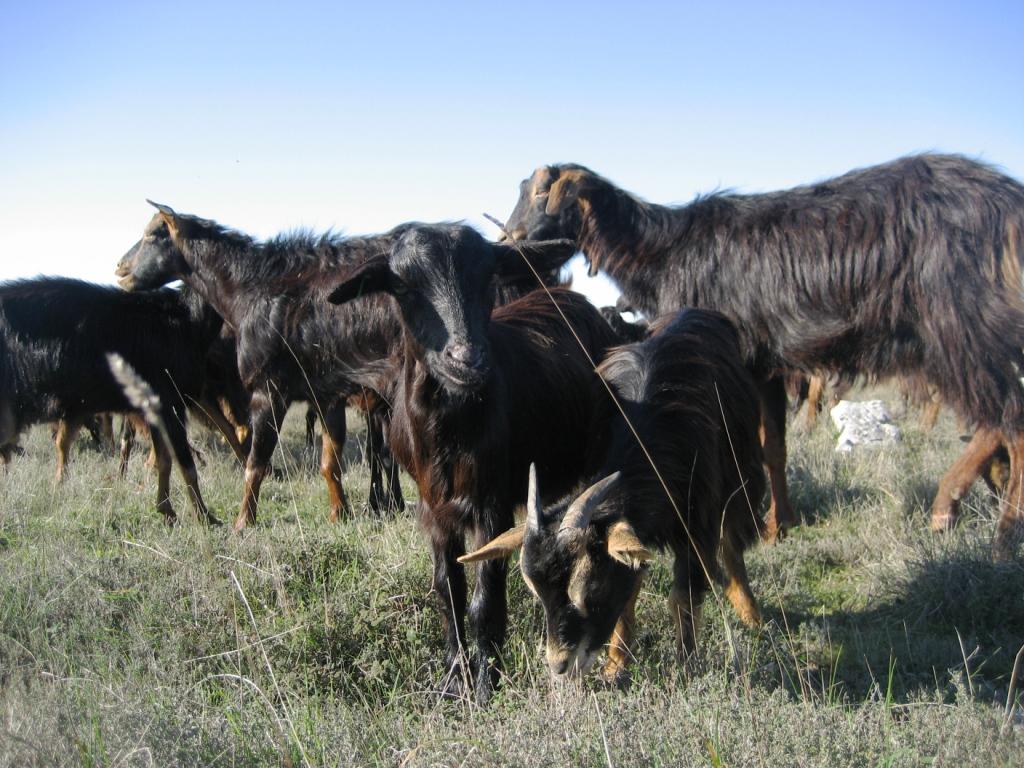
(912, 267)
(292, 345)
(695, 411)
(55, 334)
(479, 397)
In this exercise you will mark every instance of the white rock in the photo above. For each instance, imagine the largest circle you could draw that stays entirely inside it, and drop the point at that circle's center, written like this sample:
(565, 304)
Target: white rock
(867, 424)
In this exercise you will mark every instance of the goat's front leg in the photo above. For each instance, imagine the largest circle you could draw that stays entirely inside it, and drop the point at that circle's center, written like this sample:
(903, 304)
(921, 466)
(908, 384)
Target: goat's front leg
(621, 646)
(335, 430)
(690, 582)
(268, 409)
(449, 586)
(177, 437)
(488, 612)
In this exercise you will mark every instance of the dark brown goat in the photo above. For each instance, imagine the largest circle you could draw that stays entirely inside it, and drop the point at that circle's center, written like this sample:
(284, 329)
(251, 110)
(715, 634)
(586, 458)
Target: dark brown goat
(479, 397)
(694, 408)
(291, 343)
(55, 334)
(911, 267)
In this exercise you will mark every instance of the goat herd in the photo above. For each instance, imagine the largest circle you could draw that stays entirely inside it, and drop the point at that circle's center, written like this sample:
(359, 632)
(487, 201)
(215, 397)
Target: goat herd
(477, 372)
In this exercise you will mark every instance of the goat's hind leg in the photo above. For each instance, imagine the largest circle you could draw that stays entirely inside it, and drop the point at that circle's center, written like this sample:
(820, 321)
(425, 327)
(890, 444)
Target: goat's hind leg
(162, 467)
(67, 429)
(959, 477)
(780, 516)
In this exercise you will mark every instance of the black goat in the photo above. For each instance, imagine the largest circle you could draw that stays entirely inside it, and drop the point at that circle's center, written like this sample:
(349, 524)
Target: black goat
(55, 334)
(911, 267)
(480, 396)
(695, 409)
(292, 345)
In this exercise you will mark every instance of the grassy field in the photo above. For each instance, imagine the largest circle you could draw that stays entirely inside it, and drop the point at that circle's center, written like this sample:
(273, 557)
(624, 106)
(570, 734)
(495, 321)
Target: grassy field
(299, 642)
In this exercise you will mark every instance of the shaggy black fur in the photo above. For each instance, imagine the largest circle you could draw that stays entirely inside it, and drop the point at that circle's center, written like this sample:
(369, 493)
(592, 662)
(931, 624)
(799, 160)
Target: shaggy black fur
(480, 396)
(55, 334)
(907, 268)
(292, 344)
(694, 407)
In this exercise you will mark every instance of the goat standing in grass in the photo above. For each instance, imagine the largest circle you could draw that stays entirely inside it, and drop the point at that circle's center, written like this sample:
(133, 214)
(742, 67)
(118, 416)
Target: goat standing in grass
(908, 268)
(479, 397)
(55, 334)
(291, 343)
(692, 411)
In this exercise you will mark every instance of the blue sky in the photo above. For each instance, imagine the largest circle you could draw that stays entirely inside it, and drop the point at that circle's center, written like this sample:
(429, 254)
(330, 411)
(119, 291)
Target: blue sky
(360, 116)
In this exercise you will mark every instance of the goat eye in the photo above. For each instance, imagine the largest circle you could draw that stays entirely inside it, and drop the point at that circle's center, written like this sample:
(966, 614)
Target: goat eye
(399, 289)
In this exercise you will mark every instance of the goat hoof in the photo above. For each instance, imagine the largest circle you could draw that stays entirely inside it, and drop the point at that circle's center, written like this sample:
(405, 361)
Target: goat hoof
(615, 675)
(772, 534)
(943, 522)
(453, 684)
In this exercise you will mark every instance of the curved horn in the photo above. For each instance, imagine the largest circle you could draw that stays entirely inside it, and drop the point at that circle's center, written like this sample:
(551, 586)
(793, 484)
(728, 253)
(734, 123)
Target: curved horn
(534, 514)
(580, 511)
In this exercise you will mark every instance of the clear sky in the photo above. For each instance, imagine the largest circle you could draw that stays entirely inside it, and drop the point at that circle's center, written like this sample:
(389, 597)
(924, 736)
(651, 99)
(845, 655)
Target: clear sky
(359, 116)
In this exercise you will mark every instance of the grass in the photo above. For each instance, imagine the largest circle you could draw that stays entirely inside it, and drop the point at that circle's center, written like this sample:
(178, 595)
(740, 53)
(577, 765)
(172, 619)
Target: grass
(125, 643)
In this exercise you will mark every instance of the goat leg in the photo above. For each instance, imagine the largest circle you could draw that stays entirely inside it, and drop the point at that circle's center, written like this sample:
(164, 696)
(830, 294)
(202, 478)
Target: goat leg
(449, 586)
(959, 477)
(268, 411)
(335, 430)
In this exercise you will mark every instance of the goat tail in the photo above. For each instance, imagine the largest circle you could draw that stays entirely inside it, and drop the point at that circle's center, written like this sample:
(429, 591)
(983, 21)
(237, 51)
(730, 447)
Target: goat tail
(140, 395)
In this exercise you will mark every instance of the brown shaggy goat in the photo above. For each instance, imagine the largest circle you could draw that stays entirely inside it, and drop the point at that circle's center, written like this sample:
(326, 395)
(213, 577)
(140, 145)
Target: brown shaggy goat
(912, 267)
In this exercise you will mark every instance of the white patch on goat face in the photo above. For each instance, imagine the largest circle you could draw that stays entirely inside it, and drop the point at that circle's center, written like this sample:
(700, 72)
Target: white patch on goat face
(577, 591)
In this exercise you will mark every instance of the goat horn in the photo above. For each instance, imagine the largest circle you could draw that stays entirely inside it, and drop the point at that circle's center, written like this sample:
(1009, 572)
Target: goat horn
(533, 510)
(580, 511)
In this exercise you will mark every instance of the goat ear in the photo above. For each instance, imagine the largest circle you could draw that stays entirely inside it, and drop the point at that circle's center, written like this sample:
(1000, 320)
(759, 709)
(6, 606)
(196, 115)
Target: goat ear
(368, 276)
(563, 193)
(500, 546)
(625, 546)
(170, 217)
(514, 259)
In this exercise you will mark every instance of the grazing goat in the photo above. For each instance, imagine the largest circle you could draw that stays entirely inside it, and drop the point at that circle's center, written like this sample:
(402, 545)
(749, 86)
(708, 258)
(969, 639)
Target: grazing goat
(292, 344)
(55, 334)
(692, 410)
(911, 267)
(478, 398)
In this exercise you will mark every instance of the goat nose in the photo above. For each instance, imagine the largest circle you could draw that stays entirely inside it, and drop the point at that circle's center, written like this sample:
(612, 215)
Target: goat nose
(461, 352)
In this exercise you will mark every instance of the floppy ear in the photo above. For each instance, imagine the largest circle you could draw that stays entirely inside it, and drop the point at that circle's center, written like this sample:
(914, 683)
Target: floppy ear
(513, 259)
(368, 276)
(500, 546)
(624, 546)
(563, 193)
